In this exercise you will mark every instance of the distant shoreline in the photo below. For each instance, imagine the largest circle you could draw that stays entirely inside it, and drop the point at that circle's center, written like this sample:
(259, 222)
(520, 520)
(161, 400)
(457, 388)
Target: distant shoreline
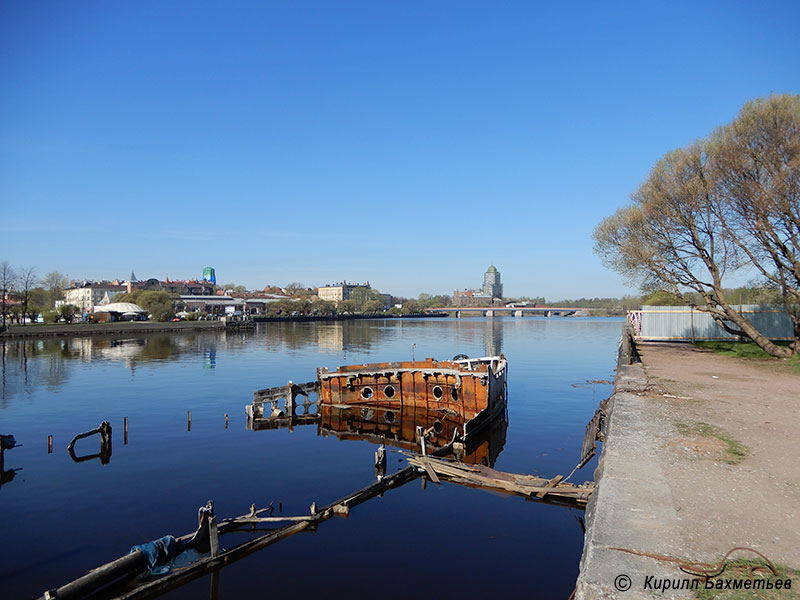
(128, 327)
(82, 329)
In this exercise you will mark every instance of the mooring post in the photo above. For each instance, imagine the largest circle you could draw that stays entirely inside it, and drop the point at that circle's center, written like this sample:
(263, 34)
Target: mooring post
(188, 420)
(213, 535)
(49, 444)
(226, 420)
(290, 400)
(125, 436)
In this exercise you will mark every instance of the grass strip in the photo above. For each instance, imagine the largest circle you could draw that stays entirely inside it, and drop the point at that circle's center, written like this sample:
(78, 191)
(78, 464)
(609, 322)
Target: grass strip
(735, 451)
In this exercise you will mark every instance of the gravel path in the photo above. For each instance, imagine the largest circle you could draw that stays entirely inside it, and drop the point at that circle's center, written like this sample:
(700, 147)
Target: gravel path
(725, 500)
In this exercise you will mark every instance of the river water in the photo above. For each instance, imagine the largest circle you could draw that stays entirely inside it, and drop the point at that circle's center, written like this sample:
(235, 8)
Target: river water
(60, 518)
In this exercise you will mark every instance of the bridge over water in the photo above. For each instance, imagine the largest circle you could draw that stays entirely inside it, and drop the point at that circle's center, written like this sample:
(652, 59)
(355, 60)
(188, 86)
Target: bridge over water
(517, 311)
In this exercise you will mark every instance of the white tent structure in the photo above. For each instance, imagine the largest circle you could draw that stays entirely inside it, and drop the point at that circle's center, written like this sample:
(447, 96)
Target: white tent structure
(123, 310)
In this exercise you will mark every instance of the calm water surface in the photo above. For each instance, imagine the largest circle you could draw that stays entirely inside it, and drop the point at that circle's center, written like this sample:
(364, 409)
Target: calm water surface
(60, 518)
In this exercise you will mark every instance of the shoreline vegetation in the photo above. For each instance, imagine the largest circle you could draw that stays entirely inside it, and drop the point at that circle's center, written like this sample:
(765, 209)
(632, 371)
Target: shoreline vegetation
(34, 330)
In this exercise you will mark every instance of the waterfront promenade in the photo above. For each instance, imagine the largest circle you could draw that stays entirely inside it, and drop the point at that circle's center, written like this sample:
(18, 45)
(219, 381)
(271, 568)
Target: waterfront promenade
(700, 458)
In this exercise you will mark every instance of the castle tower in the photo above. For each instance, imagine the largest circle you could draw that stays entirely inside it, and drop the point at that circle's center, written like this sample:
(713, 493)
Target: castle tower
(491, 283)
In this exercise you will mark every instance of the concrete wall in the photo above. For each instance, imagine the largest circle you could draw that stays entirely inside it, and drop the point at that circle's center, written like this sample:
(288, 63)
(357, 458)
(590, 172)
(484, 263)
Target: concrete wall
(632, 506)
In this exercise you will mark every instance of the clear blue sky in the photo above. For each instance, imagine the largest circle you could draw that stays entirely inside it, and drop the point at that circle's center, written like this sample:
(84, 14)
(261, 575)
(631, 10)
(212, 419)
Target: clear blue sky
(406, 143)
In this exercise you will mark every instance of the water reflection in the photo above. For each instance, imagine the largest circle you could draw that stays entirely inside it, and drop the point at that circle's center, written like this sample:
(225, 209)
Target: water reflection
(381, 425)
(7, 442)
(493, 337)
(331, 336)
(29, 364)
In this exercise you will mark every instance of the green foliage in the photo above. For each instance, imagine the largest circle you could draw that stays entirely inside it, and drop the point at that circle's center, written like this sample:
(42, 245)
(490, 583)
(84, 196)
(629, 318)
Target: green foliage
(125, 297)
(323, 308)
(37, 302)
(298, 290)
(54, 284)
(68, 312)
(51, 316)
(719, 207)
(747, 350)
(612, 306)
(158, 304)
(743, 568)
(288, 308)
(371, 307)
(663, 298)
(349, 307)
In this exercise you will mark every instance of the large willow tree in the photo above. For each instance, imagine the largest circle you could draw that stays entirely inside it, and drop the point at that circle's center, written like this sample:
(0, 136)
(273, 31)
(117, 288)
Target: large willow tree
(722, 206)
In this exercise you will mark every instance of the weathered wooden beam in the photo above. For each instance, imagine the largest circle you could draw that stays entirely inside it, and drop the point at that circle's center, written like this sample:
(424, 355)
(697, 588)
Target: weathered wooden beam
(135, 562)
(430, 471)
(550, 484)
(246, 520)
(213, 535)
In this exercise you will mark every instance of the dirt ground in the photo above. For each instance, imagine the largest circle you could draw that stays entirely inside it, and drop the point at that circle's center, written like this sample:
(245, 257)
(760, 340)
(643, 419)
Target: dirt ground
(737, 482)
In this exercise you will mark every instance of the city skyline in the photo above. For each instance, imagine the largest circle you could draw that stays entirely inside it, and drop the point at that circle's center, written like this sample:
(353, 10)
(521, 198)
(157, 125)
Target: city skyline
(410, 145)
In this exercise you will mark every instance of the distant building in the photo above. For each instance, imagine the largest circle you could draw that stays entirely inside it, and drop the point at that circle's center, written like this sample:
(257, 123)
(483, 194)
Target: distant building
(491, 283)
(88, 295)
(181, 287)
(490, 294)
(340, 291)
(220, 304)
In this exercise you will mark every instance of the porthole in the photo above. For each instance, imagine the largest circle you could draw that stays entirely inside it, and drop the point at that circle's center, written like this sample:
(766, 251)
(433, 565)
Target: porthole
(454, 394)
(389, 416)
(437, 392)
(367, 414)
(438, 428)
(366, 393)
(388, 391)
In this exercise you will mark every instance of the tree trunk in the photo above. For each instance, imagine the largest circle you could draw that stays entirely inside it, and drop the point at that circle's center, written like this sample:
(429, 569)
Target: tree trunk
(754, 334)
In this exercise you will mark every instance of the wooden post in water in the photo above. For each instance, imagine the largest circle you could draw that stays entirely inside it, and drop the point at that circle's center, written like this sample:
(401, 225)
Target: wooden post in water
(126, 431)
(188, 420)
(49, 444)
(226, 420)
(213, 535)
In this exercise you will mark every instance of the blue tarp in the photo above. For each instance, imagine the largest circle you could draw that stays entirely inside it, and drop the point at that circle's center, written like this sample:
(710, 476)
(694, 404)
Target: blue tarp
(158, 551)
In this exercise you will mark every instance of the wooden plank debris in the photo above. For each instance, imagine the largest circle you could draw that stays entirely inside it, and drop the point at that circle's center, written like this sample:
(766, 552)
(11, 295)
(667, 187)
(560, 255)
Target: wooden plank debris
(551, 490)
(550, 484)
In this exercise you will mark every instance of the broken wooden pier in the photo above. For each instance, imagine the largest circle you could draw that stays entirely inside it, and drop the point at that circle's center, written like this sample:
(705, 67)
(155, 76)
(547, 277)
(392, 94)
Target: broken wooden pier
(553, 490)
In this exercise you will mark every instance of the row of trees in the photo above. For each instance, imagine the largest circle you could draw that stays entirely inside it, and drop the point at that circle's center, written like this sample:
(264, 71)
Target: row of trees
(24, 295)
(722, 208)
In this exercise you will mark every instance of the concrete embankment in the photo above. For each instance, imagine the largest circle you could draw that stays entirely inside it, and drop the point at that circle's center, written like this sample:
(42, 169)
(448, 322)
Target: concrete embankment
(697, 464)
(631, 509)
